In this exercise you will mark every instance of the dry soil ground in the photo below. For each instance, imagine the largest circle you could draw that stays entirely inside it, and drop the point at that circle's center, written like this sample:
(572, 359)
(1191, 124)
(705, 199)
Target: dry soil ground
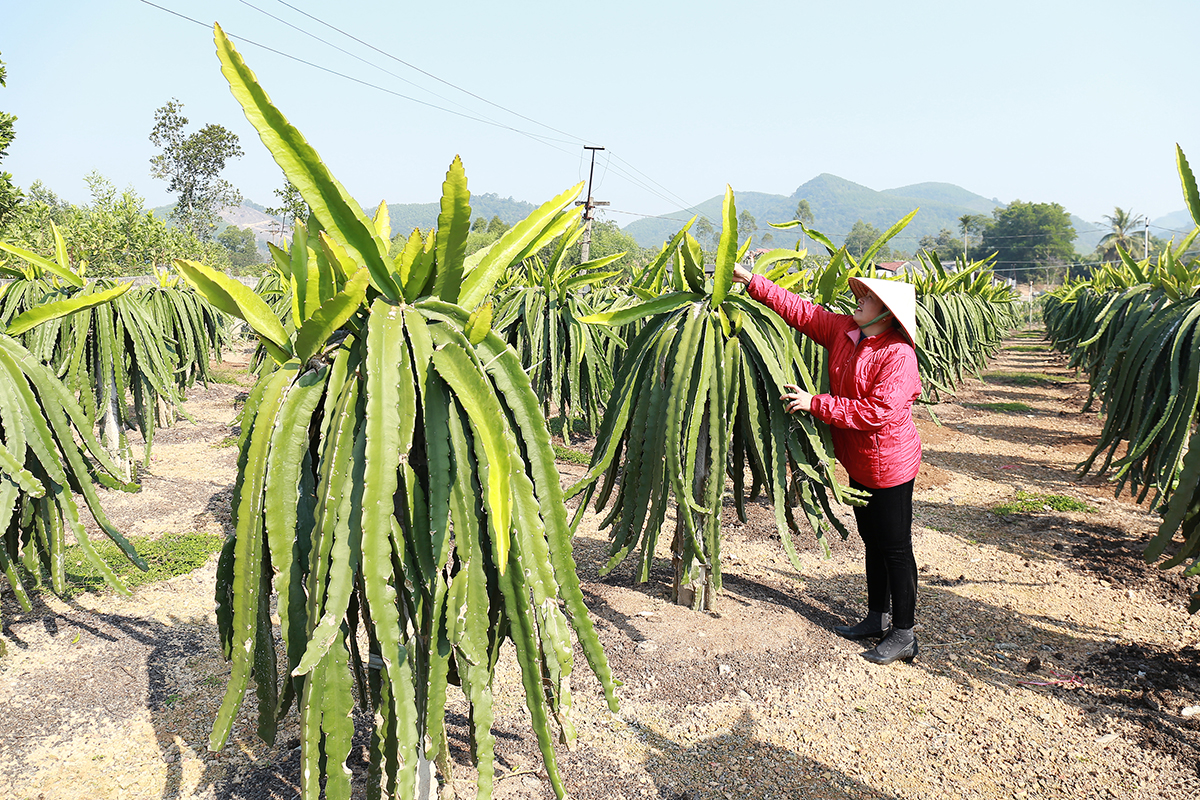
(1053, 663)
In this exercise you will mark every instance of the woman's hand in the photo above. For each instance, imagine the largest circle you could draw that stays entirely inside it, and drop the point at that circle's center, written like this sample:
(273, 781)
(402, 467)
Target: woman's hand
(742, 275)
(796, 399)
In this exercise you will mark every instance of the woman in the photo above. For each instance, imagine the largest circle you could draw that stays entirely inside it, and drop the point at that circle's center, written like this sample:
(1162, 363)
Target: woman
(873, 382)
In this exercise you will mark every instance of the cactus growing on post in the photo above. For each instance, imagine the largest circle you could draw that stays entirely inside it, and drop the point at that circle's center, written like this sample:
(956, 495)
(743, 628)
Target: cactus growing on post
(396, 478)
(697, 395)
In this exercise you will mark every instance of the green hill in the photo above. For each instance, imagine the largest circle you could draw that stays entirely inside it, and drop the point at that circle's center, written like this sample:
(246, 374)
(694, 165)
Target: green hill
(406, 216)
(836, 205)
(1087, 235)
(1177, 224)
(946, 194)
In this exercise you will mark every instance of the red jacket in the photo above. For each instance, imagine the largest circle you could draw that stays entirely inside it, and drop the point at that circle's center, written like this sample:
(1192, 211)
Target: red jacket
(873, 383)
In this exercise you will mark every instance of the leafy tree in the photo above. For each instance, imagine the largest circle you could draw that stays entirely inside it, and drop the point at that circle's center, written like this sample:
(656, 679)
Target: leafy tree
(804, 213)
(291, 209)
(607, 239)
(969, 224)
(482, 234)
(860, 239)
(1123, 233)
(112, 235)
(766, 239)
(476, 240)
(497, 226)
(747, 224)
(705, 232)
(40, 193)
(944, 244)
(10, 195)
(1029, 236)
(241, 244)
(191, 164)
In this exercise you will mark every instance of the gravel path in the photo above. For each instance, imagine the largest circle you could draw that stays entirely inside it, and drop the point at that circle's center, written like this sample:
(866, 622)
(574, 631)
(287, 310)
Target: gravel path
(1053, 664)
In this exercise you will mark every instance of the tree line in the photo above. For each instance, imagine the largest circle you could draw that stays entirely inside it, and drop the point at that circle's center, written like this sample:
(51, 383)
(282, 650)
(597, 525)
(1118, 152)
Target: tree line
(1034, 241)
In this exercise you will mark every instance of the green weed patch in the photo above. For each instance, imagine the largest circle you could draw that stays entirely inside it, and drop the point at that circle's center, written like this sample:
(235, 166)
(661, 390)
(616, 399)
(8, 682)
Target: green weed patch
(167, 556)
(1002, 408)
(230, 376)
(1023, 379)
(555, 426)
(1028, 348)
(572, 456)
(1031, 502)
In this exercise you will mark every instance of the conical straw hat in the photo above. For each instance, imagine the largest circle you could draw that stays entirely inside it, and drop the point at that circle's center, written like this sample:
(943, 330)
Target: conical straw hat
(898, 297)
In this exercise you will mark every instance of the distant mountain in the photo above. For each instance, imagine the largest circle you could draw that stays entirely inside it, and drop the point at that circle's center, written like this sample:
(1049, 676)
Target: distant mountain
(253, 216)
(1087, 234)
(248, 215)
(1178, 224)
(946, 194)
(406, 216)
(836, 205)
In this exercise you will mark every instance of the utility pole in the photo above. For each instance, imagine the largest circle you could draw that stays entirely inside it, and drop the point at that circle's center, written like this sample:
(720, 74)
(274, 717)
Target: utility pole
(585, 245)
(1146, 244)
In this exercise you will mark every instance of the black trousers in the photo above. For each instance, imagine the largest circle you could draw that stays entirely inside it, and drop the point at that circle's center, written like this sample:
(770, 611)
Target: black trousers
(885, 525)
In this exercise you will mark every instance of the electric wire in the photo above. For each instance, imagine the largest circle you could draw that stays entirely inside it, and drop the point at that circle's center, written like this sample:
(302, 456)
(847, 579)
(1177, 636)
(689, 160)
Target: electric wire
(685, 207)
(353, 79)
(357, 57)
(429, 74)
(542, 138)
(645, 182)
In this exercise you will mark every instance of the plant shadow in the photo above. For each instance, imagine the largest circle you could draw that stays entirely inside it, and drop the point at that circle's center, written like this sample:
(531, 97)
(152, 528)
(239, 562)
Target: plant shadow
(731, 765)
(136, 670)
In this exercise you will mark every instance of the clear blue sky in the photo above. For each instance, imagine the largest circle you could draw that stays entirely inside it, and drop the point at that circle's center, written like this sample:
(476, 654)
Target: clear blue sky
(1079, 103)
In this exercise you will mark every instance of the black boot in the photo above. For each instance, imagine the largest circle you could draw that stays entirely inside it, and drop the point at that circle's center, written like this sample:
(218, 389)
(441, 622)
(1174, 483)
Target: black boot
(899, 645)
(875, 624)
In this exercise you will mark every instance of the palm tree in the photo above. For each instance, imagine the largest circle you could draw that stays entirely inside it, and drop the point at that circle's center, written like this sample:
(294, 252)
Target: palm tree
(971, 223)
(1123, 225)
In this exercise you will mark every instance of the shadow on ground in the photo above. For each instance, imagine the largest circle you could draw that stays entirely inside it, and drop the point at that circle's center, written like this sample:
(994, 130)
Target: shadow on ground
(138, 665)
(723, 766)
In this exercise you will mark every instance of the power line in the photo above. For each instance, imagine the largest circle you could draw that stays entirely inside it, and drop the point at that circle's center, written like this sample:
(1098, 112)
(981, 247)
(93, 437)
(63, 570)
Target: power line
(359, 81)
(648, 184)
(542, 138)
(617, 170)
(357, 57)
(646, 216)
(603, 175)
(429, 74)
(684, 207)
(1042, 267)
(1170, 230)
